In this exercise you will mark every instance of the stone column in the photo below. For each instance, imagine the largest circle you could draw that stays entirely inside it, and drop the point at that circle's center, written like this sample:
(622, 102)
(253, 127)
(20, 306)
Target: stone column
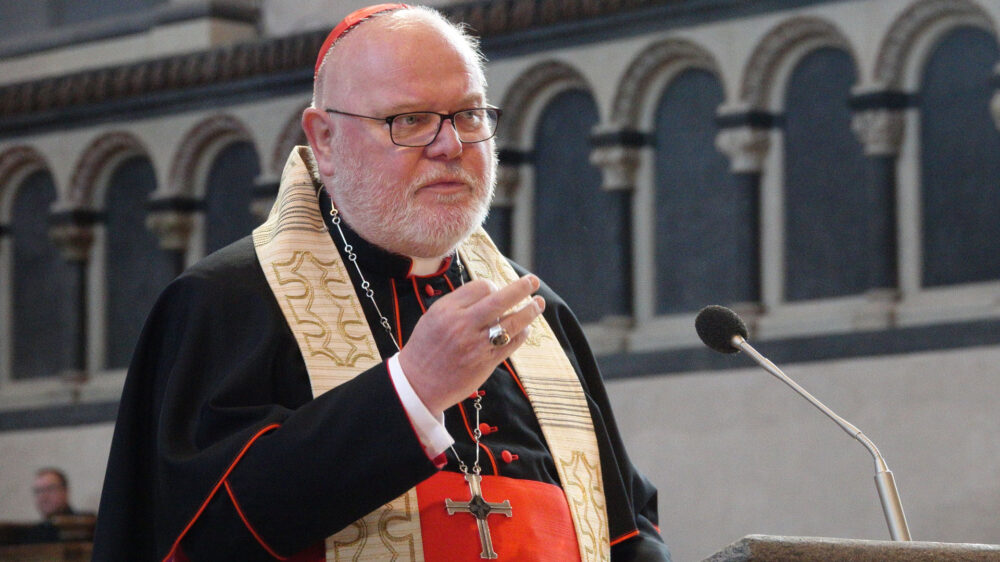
(617, 151)
(747, 145)
(72, 231)
(171, 219)
(265, 192)
(503, 209)
(879, 122)
(6, 309)
(995, 102)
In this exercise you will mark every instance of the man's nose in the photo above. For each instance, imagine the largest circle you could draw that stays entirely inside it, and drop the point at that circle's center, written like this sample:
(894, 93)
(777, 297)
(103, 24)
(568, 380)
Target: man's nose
(447, 143)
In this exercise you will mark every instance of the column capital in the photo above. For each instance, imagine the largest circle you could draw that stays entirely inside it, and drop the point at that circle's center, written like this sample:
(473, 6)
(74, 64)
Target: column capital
(265, 192)
(509, 174)
(173, 228)
(616, 151)
(879, 119)
(72, 231)
(747, 148)
(880, 130)
(618, 166)
(508, 181)
(171, 219)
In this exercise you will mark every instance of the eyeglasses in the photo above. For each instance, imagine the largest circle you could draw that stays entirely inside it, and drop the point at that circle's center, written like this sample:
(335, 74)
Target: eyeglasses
(47, 489)
(421, 128)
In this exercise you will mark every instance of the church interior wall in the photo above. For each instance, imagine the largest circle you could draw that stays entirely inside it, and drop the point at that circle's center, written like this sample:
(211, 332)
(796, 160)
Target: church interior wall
(734, 452)
(731, 451)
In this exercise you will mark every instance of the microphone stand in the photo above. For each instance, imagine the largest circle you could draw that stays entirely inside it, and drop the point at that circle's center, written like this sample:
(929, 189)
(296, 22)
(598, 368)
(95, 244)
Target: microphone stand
(884, 481)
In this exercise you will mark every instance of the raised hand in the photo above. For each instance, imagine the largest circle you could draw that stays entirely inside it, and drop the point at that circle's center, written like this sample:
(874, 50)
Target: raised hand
(449, 353)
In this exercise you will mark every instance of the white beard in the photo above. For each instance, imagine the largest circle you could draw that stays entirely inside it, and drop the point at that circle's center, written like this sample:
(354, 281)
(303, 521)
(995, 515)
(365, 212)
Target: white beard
(391, 217)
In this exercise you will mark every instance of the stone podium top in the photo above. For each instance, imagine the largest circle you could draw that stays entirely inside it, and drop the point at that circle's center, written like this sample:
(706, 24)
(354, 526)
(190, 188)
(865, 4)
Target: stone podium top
(801, 549)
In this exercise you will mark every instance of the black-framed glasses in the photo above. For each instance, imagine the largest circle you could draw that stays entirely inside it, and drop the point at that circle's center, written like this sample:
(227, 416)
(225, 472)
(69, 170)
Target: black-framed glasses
(420, 128)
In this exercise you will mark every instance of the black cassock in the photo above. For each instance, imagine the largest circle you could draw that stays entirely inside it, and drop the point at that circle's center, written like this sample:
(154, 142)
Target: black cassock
(218, 405)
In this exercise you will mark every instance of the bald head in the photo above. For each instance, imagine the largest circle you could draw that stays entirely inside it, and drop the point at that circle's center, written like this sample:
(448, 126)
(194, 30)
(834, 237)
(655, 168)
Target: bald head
(414, 200)
(342, 71)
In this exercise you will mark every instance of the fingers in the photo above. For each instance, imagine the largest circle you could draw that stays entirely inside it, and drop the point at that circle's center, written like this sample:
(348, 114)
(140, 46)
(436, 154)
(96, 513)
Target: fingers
(497, 302)
(472, 292)
(518, 323)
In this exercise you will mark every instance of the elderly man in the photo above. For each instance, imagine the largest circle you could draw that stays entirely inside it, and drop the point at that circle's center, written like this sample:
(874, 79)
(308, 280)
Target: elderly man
(367, 378)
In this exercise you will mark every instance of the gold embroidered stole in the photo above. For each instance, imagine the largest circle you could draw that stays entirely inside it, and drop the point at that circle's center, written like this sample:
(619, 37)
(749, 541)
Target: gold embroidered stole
(320, 304)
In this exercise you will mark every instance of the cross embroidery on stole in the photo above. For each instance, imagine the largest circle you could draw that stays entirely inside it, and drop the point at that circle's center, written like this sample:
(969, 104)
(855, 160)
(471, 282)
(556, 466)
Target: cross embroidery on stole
(479, 508)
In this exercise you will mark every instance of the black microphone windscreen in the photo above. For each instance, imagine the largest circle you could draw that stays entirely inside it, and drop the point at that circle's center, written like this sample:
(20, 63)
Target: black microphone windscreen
(716, 325)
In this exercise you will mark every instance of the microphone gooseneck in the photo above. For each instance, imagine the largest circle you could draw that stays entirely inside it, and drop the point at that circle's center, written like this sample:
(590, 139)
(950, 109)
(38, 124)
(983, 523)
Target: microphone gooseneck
(722, 329)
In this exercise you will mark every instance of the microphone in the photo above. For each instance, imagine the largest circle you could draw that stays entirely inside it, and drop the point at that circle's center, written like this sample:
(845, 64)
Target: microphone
(722, 330)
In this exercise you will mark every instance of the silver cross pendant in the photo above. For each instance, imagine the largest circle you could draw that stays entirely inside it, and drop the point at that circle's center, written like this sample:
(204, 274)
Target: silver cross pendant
(480, 509)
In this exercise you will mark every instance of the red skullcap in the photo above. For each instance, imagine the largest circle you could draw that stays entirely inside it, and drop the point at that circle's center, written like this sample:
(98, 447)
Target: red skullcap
(352, 19)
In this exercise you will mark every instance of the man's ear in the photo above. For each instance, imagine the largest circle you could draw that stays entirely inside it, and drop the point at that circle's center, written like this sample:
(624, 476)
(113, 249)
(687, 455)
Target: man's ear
(320, 136)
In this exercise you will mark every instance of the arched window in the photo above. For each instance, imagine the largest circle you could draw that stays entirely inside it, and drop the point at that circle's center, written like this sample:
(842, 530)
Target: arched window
(581, 231)
(136, 268)
(960, 157)
(230, 189)
(836, 238)
(706, 244)
(44, 286)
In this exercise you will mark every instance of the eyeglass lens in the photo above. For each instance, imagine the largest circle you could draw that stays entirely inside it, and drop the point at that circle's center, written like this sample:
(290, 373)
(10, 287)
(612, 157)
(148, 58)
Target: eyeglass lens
(421, 128)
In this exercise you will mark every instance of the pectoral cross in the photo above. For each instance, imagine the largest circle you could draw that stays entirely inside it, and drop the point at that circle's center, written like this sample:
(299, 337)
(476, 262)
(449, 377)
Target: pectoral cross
(479, 508)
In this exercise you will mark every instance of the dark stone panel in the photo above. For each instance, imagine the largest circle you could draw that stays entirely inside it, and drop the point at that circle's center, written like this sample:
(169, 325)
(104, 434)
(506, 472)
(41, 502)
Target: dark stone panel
(512, 157)
(752, 119)
(886, 99)
(45, 26)
(66, 12)
(183, 84)
(960, 152)
(581, 245)
(498, 226)
(531, 26)
(807, 349)
(230, 192)
(625, 137)
(136, 268)
(45, 286)
(706, 238)
(22, 18)
(178, 203)
(835, 237)
(58, 416)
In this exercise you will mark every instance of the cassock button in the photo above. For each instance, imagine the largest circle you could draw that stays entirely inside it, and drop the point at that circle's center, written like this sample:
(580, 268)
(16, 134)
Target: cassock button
(508, 457)
(486, 429)
(431, 292)
(477, 394)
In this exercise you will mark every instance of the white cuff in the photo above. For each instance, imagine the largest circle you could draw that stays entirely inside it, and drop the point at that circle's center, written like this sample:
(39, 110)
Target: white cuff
(430, 430)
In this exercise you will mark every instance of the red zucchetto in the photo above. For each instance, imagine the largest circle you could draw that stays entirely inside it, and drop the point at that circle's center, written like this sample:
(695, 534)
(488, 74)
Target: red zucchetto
(352, 19)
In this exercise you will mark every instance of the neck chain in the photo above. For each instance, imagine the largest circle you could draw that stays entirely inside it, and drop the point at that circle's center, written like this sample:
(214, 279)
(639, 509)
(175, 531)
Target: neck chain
(384, 322)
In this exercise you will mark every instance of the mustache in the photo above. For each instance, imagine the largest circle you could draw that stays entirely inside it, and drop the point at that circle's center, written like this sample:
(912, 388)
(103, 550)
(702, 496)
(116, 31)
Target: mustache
(448, 175)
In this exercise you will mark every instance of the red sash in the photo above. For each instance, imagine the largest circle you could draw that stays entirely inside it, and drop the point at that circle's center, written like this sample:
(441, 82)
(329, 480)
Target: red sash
(540, 529)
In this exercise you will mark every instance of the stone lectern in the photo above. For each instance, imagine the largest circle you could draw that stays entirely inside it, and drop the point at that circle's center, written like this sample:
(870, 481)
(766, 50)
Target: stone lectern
(800, 549)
